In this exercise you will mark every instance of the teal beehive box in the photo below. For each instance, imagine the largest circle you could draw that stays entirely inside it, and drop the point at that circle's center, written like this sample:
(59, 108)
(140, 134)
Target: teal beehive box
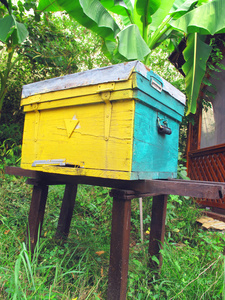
(119, 122)
(158, 112)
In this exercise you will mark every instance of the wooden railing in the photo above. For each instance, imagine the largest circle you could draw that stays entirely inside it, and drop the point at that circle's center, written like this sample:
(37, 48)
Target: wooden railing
(208, 164)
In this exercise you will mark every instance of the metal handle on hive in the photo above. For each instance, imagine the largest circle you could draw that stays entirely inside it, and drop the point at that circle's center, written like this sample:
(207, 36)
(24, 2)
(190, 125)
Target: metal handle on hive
(163, 129)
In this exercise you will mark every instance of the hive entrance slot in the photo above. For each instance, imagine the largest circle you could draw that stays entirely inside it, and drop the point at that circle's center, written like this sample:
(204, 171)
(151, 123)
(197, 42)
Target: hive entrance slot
(71, 166)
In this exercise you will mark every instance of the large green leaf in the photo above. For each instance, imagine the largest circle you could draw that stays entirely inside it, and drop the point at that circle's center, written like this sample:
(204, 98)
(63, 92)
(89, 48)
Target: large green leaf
(6, 27)
(137, 19)
(129, 4)
(200, 2)
(206, 19)
(21, 32)
(131, 44)
(9, 27)
(116, 6)
(161, 14)
(89, 13)
(196, 55)
(181, 7)
(129, 18)
(49, 5)
(146, 8)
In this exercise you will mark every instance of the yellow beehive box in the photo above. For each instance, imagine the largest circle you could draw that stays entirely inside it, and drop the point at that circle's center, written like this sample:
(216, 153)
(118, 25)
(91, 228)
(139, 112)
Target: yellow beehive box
(86, 123)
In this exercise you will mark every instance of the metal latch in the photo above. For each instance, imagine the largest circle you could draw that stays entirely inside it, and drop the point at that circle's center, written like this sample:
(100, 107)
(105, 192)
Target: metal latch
(55, 162)
(163, 129)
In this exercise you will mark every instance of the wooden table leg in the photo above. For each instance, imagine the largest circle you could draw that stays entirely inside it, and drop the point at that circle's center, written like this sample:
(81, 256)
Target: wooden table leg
(157, 231)
(36, 214)
(66, 211)
(119, 253)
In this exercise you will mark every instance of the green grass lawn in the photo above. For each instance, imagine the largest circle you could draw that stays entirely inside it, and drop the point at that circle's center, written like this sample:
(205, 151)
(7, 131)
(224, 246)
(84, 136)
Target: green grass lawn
(193, 260)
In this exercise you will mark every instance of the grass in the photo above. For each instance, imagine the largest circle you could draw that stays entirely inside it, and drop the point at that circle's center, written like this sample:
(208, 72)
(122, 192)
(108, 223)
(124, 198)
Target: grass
(193, 260)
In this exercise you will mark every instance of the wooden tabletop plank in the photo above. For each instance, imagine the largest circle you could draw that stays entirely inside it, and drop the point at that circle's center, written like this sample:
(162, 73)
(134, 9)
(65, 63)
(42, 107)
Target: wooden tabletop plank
(139, 188)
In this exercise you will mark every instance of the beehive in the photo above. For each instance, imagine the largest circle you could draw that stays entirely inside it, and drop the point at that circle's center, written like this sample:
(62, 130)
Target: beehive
(112, 122)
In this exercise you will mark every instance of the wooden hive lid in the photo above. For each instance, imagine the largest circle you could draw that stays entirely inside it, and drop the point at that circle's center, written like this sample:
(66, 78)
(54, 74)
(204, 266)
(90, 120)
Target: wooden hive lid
(114, 73)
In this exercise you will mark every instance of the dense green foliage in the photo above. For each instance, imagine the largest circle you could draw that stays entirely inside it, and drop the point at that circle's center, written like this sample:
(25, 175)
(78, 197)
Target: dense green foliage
(56, 46)
(148, 23)
(12, 34)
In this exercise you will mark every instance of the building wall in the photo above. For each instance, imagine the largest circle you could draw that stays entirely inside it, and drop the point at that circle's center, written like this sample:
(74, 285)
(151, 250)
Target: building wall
(206, 141)
(213, 119)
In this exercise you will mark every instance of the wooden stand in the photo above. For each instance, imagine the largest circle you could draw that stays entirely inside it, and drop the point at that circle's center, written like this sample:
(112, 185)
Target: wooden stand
(36, 214)
(66, 211)
(123, 194)
(119, 250)
(157, 232)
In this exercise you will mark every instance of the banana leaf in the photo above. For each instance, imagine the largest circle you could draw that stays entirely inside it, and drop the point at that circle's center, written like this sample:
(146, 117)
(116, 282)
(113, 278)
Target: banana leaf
(89, 13)
(207, 19)
(49, 5)
(162, 12)
(181, 7)
(9, 27)
(196, 55)
(131, 44)
(146, 8)
(116, 6)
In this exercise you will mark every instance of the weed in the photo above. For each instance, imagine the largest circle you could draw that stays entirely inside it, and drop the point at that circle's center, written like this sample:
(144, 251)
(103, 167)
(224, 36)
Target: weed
(9, 154)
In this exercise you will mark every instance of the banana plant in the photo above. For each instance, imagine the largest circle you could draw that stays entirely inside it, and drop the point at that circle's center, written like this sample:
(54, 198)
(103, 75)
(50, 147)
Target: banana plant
(12, 33)
(148, 23)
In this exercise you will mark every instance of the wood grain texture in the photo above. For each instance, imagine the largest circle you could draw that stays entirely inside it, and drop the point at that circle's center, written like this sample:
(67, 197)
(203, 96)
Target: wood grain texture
(208, 164)
(36, 214)
(75, 101)
(163, 97)
(153, 153)
(75, 93)
(119, 249)
(156, 104)
(139, 188)
(157, 232)
(66, 211)
(86, 148)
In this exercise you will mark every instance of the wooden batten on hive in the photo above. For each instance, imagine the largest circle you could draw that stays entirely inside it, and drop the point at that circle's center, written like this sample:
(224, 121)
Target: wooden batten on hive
(118, 122)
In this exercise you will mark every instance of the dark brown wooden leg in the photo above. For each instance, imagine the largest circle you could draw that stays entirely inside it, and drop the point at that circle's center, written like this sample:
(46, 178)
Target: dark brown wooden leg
(36, 214)
(119, 253)
(157, 231)
(66, 211)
